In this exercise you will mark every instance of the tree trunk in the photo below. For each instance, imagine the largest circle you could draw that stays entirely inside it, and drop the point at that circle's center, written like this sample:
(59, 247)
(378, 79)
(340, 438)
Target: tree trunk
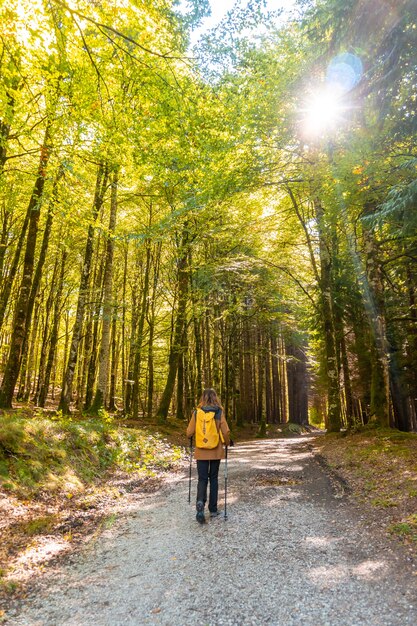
(283, 380)
(188, 386)
(131, 359)
(412, 345)
(400, 401)
(139, 335)
(276, 387)
(297, 381)
(66, 394)
(6, 217)
(114, 363)
(104, 358)
(350, 417)
(123, 331)
(198, 358)
(92, 355)
(374, 294)
(46, 333)
(180, 388)
(151, 327)
(22, 314)
(261, 416)
(206, 350)
(216, 353)
(234, 370)
(239, 394)
(43, 391)
(6, 123)
(248, 391)
(32, 356)
(329, 333)
(268, 382)
(38, 273)
(5, 126)
(176, 348)
(227, 368)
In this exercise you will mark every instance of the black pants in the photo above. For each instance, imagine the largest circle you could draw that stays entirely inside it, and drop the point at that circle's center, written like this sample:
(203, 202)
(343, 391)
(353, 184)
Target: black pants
(208, 470)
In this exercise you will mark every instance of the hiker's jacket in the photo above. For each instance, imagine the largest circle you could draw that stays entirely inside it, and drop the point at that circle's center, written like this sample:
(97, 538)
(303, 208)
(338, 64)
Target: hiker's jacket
(216, 453)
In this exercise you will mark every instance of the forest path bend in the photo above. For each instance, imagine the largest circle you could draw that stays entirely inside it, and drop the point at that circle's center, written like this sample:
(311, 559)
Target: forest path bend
(293, 553)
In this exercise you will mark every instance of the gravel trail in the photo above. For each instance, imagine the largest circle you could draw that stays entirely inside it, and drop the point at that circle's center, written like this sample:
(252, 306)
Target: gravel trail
(294, 552)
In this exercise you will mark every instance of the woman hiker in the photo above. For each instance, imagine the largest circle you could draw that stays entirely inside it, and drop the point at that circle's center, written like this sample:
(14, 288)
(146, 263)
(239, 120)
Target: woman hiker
(212, 433)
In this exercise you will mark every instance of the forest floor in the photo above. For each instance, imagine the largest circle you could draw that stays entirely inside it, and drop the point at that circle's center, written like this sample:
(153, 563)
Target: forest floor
(296, 549)
(378, 468)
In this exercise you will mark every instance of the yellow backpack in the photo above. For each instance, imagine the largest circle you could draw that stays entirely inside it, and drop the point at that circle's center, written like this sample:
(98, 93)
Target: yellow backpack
(206, 430)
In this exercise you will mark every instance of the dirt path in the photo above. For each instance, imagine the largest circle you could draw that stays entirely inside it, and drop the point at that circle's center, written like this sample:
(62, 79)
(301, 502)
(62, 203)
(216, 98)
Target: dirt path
(294, 552)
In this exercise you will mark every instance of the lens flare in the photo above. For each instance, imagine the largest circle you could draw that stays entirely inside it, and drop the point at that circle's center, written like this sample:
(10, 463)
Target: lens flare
(322, 113)
(324, 109)
(344, 72)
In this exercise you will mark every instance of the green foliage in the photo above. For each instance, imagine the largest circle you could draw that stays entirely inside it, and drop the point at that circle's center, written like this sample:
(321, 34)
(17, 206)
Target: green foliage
(215, 146)
(315, 418)
(64, 454)
(406, 529)
(383, 503)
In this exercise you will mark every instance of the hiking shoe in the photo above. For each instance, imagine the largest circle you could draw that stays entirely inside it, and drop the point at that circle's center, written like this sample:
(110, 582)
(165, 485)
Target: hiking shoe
(215, 513)
(200, 512)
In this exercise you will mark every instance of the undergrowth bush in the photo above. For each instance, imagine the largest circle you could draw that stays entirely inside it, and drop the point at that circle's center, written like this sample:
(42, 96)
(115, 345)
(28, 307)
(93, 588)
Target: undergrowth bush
(60, 453)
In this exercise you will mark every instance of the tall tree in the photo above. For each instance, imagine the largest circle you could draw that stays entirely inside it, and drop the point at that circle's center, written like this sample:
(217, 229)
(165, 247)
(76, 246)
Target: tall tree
(100, 190)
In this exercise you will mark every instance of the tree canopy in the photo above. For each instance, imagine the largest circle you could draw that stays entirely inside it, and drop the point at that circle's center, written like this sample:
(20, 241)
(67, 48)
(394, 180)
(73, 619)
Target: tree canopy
(240, 214)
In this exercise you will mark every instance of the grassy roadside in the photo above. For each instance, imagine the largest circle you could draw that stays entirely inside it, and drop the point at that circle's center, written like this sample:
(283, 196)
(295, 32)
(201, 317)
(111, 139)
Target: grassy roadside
(62, 480)
(380, 467)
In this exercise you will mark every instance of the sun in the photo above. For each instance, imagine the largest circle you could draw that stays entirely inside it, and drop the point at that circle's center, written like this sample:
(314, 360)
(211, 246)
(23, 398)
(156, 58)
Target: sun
(323, 113)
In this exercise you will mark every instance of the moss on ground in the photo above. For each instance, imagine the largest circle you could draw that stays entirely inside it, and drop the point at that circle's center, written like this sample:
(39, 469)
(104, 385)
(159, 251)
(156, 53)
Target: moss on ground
(45, 454)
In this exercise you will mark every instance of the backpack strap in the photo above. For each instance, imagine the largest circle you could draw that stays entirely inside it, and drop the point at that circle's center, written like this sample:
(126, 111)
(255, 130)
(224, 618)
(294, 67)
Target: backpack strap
(218, 417)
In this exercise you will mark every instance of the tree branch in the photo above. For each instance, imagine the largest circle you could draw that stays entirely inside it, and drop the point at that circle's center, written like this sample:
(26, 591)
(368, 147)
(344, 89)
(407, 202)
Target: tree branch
(116, 32)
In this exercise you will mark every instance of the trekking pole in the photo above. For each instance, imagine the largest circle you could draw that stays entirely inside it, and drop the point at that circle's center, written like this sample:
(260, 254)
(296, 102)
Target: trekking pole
(225, 486)
(191, 462)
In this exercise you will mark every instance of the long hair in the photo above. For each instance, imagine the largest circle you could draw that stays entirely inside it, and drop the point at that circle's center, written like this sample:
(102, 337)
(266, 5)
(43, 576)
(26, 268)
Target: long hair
(210, 398)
